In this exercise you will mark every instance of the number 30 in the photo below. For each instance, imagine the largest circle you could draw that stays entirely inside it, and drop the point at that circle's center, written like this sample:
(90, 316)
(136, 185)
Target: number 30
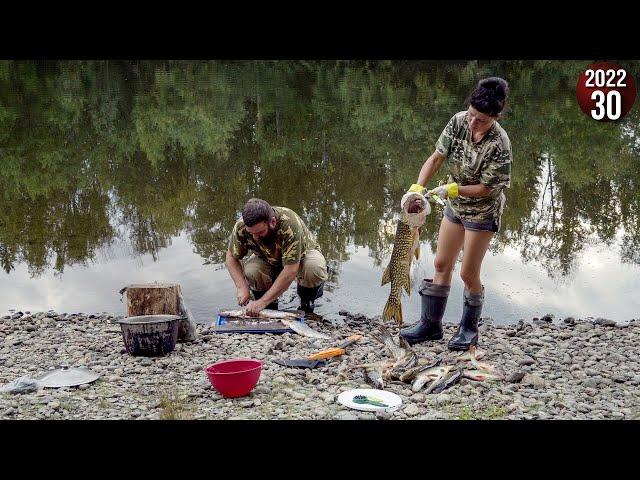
(613, 108)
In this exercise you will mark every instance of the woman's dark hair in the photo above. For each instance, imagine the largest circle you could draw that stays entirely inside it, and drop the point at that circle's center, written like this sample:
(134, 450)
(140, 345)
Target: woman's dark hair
(489, 96)
(256, 211)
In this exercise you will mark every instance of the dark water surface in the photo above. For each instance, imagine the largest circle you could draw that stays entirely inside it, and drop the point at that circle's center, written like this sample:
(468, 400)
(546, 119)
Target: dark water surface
(115, 173)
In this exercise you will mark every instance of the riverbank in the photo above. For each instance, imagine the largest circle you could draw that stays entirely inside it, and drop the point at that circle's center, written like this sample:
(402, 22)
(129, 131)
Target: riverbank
(573, 369)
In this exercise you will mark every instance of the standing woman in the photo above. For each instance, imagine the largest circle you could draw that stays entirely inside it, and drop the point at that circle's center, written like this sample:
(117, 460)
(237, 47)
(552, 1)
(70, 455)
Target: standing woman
(478, 154)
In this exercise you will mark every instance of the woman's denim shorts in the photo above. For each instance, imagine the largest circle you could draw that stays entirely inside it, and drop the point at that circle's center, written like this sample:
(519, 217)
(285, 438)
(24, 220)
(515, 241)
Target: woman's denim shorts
(489, 226)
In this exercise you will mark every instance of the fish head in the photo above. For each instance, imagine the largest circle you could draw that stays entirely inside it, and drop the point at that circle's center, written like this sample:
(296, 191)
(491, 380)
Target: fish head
(415, 209)
(404, 345)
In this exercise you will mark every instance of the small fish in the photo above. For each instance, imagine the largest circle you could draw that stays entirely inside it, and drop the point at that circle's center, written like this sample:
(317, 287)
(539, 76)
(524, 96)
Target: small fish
(386, 339)
(440, 379)
(374, 373)
(482, 376)
(266, 313)
(410, 374)
(466, 356)
(383, 364)
(400, 366)
(450, 380)
(403, 354)
(373, 377)
(303, 329)
(482, 366)
(423, 377)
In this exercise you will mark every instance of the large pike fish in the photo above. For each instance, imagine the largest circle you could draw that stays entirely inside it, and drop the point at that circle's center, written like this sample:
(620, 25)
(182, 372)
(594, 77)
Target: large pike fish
(405, 247)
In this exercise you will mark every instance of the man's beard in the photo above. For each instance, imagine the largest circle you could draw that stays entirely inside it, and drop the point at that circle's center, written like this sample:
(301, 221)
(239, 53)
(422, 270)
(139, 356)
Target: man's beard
(270, 238)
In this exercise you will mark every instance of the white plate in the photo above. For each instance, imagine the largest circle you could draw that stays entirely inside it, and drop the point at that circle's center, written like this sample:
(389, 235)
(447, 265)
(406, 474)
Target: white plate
(391, 399)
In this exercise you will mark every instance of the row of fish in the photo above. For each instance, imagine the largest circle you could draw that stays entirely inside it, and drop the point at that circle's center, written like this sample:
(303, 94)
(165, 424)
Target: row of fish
(289, 319)
(405, 366)
(440, 374)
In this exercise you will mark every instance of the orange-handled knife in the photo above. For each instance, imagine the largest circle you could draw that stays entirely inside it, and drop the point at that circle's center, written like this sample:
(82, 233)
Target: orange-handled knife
(335, 351)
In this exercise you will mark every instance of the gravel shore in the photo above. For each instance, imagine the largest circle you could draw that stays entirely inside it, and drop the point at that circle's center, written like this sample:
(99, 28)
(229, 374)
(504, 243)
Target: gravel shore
(555, 368)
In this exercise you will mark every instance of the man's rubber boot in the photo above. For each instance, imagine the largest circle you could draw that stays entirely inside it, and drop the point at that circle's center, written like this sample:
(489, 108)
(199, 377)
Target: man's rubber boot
(434, 302)
(467, 333)
(308, 296)
(256, 295)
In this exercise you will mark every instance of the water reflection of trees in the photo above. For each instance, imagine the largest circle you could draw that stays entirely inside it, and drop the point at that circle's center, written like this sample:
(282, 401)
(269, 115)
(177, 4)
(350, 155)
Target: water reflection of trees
(164, 147)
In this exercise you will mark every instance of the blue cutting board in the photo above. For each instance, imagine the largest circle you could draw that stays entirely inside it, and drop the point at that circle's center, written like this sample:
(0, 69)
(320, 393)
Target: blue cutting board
(239, 325)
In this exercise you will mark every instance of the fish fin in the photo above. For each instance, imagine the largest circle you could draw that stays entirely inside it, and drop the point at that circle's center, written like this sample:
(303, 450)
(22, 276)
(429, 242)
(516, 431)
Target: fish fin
(404, 344)
(416, 244)
(406, 283)
(417, 252)
(386, 276)
(393, 309)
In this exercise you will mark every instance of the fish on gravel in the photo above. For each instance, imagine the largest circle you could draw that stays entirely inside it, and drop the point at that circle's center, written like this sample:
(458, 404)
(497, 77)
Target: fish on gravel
(384, 337)
(434, 375)
(303, 329)
(411, 373)
(485, 367)
(482, 376)
(404, 356)
(466, 356)
(374, 373)
(482, 371)
(450, 379)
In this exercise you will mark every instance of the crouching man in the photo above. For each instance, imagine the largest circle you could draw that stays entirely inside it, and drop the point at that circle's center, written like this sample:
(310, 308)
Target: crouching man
(282, 249)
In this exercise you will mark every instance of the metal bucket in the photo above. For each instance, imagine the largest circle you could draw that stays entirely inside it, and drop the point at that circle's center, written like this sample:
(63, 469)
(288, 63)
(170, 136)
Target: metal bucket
(150, 335)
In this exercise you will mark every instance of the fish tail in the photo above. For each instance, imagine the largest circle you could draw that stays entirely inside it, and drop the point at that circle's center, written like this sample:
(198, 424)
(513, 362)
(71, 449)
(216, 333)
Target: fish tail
(393, 309)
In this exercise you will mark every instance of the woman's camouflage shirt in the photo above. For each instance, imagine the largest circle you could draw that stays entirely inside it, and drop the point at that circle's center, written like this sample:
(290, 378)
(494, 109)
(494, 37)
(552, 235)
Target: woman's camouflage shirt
(487, 162)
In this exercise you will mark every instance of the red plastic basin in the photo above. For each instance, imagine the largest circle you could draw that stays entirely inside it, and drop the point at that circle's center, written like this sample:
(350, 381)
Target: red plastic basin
(234, 378)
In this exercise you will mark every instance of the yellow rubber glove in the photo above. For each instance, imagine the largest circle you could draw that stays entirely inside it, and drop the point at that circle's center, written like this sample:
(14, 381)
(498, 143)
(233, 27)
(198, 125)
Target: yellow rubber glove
(416, 188)
(450, 190)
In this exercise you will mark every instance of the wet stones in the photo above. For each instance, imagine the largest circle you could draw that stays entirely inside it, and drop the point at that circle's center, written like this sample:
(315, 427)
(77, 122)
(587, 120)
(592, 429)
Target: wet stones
(526, 361)
(604, 322)
(515, 377)
(533, 380)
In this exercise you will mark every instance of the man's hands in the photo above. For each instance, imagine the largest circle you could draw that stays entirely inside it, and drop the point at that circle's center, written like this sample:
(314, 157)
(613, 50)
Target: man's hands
(254, 307)
(243, 296)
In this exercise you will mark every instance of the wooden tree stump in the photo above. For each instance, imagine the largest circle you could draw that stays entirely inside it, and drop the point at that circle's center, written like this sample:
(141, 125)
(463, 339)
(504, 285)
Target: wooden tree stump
(160, 299)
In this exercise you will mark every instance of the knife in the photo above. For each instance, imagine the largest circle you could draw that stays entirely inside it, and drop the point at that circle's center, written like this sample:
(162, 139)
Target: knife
(335, 351)
(319, 359)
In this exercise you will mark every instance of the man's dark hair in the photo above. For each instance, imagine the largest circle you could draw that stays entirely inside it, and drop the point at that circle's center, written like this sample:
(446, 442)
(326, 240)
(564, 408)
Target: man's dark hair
(489, 96)
(256, 211)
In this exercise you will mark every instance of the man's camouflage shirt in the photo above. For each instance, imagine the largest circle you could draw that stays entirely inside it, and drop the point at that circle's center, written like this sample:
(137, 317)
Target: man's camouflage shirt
(293, 240)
